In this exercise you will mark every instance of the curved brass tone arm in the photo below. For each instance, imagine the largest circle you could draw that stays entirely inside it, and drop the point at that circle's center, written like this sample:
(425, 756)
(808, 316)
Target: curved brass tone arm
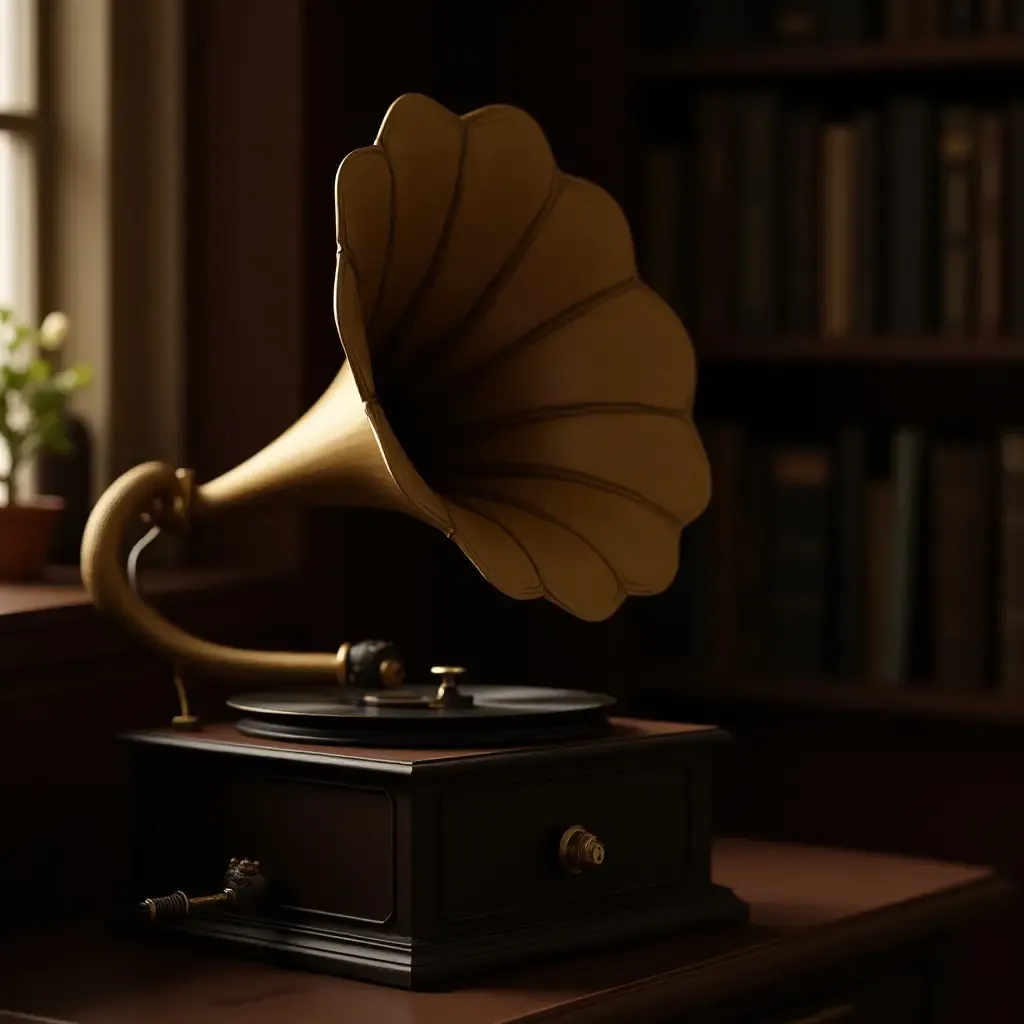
(156, 491)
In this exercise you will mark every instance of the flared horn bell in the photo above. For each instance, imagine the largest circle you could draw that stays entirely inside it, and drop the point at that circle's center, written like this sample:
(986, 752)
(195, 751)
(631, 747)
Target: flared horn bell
(509, 380)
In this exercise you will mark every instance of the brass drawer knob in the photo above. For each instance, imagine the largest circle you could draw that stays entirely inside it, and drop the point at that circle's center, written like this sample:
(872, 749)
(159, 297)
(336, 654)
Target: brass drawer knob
(580, 850)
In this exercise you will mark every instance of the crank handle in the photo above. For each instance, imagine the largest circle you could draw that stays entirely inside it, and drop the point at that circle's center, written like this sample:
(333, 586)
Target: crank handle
(244, 886)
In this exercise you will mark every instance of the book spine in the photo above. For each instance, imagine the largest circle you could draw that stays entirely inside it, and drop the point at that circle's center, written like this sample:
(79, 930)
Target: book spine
(667, 25)
(990, 223)
(908, 450)
(687, 600)
(851, 465)
(797, 559)
(753, 21)
(847, 21)
(877, 573)
(755, 543)
(797, 20)
(663, 223)
(1014, 152)
(909, 208)
(898, 19)
(799, 257)
(725, 448)
(962, 584)
(866, 225)
(716, 24)
(837, 231)
(993, 15)
(714, 213)
(956, 152)
(1011, 597)
(959, 17)
(757, 210)
(927, 18)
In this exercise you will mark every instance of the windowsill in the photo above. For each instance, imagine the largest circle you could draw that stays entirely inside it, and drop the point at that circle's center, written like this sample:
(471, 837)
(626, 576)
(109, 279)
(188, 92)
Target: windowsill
(52, 625)
(61, 588)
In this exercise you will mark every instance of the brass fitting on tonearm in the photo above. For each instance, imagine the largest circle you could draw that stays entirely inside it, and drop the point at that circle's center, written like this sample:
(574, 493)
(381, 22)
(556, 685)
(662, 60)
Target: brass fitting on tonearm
(370, 664)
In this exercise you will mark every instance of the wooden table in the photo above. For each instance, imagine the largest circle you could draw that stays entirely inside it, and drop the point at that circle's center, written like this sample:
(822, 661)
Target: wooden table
(834, 936)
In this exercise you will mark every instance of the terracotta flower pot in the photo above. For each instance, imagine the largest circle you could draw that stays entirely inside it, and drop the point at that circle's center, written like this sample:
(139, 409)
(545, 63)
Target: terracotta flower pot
(26, 532)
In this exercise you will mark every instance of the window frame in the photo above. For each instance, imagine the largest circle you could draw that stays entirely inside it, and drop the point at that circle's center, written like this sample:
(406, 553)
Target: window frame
(94, 243)
(89, 242)
(34, 126)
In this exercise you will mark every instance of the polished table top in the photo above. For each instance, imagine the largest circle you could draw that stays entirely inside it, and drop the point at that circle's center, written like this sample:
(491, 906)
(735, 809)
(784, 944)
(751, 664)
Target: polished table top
(808, 904)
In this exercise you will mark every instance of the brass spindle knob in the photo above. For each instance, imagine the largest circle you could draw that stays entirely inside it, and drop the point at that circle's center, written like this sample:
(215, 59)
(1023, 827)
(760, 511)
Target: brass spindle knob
(448, 694)
(580, 850)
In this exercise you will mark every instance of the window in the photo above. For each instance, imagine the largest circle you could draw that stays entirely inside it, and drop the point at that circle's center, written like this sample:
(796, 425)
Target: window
(91, 207)
(19, 132)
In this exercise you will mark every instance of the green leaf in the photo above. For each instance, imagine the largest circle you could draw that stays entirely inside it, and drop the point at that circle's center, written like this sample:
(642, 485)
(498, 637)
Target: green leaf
(38, 369)
(33, 397)
(73, 378)
(23, 334)
(15, 379)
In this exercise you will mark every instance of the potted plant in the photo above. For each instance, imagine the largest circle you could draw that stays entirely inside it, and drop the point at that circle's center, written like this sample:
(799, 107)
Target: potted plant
(33, 400)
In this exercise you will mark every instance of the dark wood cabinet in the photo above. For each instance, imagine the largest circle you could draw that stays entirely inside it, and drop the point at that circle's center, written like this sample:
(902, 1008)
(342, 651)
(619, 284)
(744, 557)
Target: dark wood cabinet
(424, 867)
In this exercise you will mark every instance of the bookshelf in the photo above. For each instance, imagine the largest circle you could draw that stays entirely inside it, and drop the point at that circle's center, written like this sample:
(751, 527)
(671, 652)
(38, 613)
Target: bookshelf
(775, 694)
(937, 56)
(839, 220)
(871, 706)
(928, 349)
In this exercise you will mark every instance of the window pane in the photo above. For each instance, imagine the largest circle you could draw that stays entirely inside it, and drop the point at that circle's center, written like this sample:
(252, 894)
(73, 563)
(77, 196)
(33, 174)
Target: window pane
(17, 246)
(17, 55)
(17, 241)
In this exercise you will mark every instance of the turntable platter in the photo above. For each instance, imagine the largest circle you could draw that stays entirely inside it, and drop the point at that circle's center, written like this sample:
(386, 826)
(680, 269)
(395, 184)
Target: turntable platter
(498, 715)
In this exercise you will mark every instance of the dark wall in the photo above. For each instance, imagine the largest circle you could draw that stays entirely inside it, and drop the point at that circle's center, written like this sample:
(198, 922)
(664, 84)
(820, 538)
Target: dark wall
(245, 253)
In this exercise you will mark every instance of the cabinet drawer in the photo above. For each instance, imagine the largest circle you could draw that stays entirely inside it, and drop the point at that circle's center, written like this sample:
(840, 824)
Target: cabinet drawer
(499, 845)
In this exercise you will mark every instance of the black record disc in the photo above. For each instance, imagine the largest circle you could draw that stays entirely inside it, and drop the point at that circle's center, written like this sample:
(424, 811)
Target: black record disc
(404, 718)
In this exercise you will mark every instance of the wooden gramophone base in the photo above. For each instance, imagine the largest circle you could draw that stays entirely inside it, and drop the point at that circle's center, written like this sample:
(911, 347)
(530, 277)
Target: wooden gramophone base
(404, 963)
(418, 868)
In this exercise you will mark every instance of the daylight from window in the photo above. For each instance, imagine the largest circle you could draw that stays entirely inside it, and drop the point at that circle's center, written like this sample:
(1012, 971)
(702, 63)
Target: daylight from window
(17, 128)
(8, 218)
(18, 123)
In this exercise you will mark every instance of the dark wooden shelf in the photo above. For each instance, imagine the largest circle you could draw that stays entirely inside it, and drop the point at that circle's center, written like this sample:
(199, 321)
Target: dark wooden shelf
(982, 707)
(938, 350)
(938, 55)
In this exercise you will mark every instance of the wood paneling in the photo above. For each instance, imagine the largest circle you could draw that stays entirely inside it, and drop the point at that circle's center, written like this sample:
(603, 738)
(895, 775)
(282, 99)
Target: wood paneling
(246, 255)
(70, 684)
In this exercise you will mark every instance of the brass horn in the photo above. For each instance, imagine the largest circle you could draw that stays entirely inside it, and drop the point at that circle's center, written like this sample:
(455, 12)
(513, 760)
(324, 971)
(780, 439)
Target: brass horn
(509, 380)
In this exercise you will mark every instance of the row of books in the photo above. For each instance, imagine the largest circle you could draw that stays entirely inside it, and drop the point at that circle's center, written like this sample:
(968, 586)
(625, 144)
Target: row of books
(773, 219)
(720, 24)
(894, 558)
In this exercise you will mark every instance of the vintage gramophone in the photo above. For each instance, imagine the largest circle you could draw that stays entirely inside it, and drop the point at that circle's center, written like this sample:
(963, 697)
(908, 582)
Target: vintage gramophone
(510, 381)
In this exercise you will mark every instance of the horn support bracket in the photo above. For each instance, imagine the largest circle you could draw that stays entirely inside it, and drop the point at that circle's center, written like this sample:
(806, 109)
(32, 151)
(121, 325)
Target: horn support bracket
(165, 498)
